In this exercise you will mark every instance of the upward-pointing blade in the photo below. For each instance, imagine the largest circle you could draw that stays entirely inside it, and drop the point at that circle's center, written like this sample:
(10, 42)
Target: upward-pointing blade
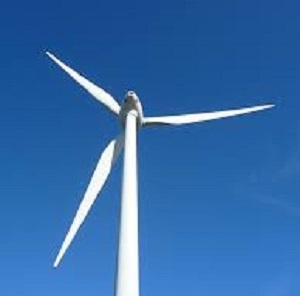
(97, 92)
(103, 168)
(199, 117)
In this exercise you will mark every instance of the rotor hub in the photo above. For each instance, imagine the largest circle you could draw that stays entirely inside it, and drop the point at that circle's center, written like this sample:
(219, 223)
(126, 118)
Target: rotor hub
(131, 104)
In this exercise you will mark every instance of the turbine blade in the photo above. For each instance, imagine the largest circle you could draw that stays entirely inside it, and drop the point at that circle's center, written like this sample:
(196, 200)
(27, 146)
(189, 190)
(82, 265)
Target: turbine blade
(97, 92)
(103, 168)
(199, 117)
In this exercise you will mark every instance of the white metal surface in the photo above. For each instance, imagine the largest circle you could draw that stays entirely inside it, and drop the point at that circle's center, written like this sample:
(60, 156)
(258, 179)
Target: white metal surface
(127, 281)
(97, 92)
(199, 117)
(103, 168)
(131, 102)
(131, 117)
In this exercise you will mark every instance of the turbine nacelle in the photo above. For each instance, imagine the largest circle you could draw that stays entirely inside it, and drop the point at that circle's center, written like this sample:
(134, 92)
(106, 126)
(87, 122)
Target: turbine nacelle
(131, 103)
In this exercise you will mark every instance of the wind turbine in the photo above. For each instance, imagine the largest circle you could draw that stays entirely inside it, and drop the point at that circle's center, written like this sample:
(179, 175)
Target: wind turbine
(131, 118)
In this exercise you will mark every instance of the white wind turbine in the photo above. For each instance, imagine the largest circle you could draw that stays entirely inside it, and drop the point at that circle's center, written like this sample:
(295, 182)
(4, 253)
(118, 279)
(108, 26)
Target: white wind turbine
(131, 118)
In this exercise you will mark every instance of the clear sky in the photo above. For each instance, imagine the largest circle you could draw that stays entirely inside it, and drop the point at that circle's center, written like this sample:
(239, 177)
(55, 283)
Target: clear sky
(219, 201)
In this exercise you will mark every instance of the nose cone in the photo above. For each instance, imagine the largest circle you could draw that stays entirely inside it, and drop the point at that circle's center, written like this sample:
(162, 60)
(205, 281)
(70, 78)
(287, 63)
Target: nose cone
(131, 97)
(131, 94)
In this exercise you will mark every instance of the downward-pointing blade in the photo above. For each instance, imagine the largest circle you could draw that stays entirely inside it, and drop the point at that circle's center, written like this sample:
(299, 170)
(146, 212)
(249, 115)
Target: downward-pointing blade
(97, 92)
(199, 117)
(103, 168)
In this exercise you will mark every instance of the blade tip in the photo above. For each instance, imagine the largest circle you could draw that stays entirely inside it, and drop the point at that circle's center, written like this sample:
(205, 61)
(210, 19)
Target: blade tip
(50, 55)
(269, 106)
(264, 107)
(56, 263)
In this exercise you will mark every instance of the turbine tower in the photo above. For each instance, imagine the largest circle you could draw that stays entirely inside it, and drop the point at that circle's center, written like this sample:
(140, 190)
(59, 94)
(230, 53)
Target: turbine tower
(131, 118)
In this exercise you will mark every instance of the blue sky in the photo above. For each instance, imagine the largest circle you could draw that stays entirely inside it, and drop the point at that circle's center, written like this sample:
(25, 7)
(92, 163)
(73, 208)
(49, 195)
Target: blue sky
(219, 202)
